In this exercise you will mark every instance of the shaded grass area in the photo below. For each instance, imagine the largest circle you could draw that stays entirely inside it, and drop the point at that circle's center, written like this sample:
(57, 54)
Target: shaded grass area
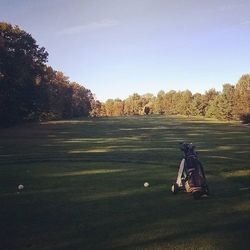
(84, 189)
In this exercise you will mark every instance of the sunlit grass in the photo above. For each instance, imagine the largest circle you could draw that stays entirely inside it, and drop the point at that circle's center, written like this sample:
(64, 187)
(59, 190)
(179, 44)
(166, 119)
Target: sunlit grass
(238, 173)
(95, 150)
(88, 172)
(63, 122)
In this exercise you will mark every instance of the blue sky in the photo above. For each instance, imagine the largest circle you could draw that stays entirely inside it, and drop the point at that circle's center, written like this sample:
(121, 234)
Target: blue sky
(118, 47)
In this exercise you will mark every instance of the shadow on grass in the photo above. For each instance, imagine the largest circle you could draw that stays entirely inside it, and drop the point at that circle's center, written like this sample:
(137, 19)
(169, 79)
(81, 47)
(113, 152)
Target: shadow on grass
(84, 185)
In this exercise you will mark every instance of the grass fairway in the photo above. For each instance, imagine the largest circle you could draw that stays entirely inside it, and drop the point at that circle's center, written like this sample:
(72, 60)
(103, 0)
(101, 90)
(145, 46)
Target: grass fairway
(83, 185)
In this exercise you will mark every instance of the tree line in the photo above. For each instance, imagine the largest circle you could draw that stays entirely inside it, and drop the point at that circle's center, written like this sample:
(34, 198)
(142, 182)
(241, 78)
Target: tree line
(233, 103)
(32, 91)
(29, 89)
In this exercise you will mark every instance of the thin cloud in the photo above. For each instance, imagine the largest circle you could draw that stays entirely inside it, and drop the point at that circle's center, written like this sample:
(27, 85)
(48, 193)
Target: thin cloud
(88, 27)
(245, 23)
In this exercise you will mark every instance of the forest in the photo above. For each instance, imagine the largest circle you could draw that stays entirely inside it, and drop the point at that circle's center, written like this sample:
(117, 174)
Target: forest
(230, 104)
(30, 90)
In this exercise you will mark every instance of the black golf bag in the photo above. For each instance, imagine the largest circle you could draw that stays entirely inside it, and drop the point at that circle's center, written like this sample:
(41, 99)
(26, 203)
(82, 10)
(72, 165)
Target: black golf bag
(191, 177)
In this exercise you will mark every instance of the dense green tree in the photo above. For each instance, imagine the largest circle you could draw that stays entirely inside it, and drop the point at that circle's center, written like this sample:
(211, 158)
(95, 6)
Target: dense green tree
(175, 102)
(212, 110)
(170, 102)
(197, 107)
(58, 95)
(210, 95)
(29, 90)
(208, 99)
(22, 64)
(226, 103)
(184, 103)
(231, 103)
(133, 105)
(96, 108)
(242, 96)
(118, 107)
(159, 103)
(147, 103)
(109, 106)
(81, 100)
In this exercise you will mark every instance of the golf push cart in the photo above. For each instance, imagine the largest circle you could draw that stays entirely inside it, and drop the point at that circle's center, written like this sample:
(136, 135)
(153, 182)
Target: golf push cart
(191, 177)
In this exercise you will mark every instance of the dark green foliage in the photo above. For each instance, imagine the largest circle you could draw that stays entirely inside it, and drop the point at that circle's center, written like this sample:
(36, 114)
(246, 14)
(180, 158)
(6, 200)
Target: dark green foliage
(64, 99)
(184, 103)
(21, 66)
(226, 103)
(242, 96)
(29, 90)
(212, 110)
(159, 107)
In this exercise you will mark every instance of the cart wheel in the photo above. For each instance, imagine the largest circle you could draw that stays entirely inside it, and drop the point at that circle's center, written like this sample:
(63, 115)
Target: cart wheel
(197, 195)
(206, 190)
(174, 188)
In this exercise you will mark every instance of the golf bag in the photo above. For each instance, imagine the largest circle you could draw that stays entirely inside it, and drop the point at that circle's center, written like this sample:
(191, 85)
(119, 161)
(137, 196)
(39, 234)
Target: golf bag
(191, 177)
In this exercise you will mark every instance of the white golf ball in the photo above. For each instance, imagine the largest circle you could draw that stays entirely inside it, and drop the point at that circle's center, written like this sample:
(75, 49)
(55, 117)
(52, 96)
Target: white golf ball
(20, 187)
(146, 184)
